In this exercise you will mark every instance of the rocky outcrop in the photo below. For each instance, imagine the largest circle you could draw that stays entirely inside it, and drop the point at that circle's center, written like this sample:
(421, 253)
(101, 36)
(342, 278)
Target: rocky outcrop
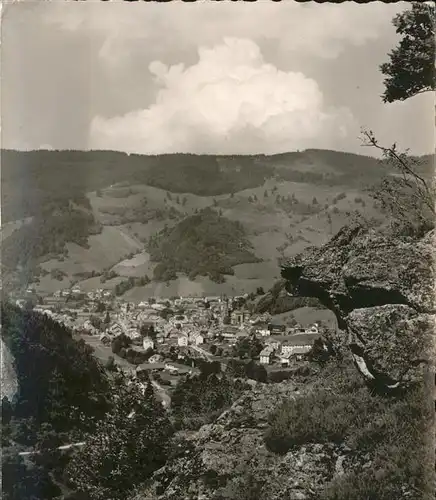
(9, 382)
(381, 289)
(230, 455)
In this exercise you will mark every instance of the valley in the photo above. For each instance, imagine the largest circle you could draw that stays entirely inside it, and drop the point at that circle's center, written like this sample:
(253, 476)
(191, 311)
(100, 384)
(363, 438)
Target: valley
(283, 204)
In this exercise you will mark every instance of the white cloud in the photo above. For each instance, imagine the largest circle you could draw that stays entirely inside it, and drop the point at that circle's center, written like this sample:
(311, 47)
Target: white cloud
(321, 30)
(230, 101)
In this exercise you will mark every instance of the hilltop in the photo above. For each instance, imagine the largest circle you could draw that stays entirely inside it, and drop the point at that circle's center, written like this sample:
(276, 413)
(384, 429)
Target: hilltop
(201, 244)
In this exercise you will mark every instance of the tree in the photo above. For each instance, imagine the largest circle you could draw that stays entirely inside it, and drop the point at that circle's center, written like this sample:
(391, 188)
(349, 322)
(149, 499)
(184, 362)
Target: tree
(110, 364)
(147, 330)
(95, 322)
(265, 194)
(248, 347)
(256, 372)
(100, 307)
(409, 197)
(260, 290)
(411, 69)
(7, 410)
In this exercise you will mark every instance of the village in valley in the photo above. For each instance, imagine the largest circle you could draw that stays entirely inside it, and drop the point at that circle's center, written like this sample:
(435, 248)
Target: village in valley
(167, 338)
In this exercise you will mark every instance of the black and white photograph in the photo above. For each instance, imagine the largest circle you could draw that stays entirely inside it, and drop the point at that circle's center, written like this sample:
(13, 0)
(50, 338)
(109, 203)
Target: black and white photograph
(218, 250)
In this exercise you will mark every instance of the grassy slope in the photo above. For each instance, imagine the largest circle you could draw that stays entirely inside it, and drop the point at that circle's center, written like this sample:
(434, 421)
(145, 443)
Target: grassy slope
(115, 186)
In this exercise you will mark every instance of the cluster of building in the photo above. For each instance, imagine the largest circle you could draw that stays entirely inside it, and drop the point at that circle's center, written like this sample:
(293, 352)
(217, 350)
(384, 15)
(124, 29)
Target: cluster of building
(179, 321)
(283, 348)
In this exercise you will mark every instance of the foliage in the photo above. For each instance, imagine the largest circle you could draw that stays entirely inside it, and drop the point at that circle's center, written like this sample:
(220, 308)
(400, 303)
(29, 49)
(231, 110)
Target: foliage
(206, 175)
(392, 432)
(130, 443)
(202, 244)
(47, 233)
(196, 400)
(247, 347)
(59, 379)
(243, 369)
(277, 301)
(411, 69)
(20, 482)
(62, 392)
(410, 195)
(124, 286)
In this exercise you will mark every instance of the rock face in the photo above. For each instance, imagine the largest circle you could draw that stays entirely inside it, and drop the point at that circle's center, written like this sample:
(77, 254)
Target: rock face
(381, 289)
(221, 456)
(9, 383)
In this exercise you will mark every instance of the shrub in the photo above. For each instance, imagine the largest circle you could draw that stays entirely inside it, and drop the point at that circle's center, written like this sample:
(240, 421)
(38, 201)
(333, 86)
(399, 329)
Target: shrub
(392, 432)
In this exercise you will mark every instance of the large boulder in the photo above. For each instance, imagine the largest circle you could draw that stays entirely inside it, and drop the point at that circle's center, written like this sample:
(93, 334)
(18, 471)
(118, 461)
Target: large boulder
(381, 289)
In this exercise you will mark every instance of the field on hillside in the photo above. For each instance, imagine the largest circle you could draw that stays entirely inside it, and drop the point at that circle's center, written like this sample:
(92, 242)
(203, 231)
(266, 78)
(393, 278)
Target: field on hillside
(306, 316)
(284, 204)
(272, 229)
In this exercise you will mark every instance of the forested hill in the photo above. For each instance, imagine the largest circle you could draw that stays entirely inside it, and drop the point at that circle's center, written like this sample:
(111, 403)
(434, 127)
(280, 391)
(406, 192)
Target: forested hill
(202, 244)
(66, 397)
(85, 212)
(34, 178)
(60, 383)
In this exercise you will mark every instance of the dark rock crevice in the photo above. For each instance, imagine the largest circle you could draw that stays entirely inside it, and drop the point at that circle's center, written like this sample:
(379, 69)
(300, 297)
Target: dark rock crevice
(381, 291)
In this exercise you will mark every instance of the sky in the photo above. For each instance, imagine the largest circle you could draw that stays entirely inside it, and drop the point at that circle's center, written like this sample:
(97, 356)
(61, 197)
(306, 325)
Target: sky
(205, 77)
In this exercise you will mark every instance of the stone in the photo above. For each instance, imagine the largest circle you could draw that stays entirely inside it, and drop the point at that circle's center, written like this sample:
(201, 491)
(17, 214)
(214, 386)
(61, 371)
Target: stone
(381, 290)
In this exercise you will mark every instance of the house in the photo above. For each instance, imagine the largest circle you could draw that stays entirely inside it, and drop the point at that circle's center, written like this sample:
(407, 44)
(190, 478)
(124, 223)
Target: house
(238, 317)
(266, 356)
(147, 343)
(76, 291)
(158, 307)
(116, 329)
(87, 325)
(105, 339)
(156, 358)
(314, 329)
(274, 341)
(297, 329)
(197, 338)
(182, 340)
(262, 330)
(285, 358)
(133, 333)
(229, 333)
(276, 328)
(298, 345)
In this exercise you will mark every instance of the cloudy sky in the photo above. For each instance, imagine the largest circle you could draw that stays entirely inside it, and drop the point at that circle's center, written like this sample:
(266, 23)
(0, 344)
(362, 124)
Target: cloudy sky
(209, 77)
